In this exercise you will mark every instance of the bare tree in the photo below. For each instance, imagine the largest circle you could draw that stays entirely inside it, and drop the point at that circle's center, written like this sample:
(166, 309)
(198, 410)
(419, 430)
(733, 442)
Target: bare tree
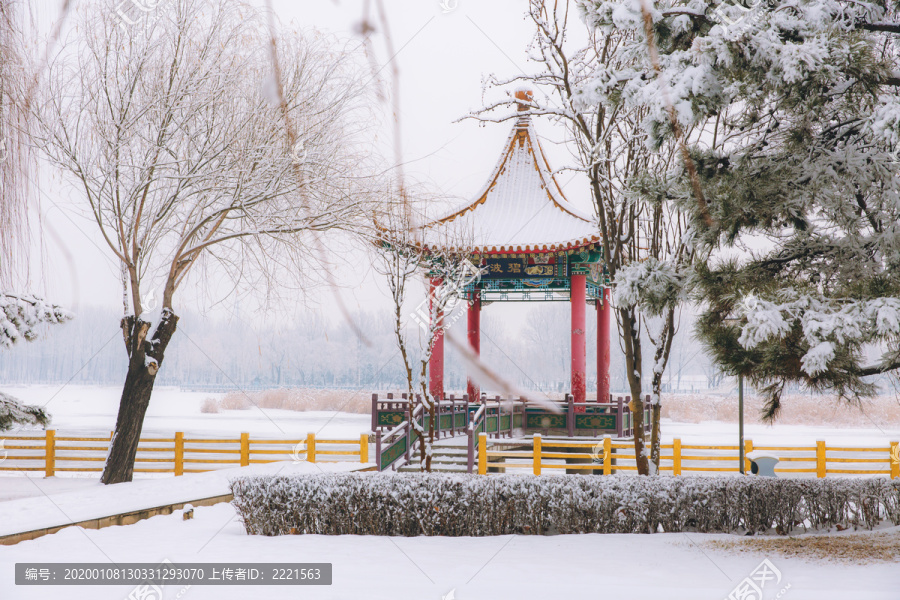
(408, 253)
(399, 260)
(449, 264)
(172, 131)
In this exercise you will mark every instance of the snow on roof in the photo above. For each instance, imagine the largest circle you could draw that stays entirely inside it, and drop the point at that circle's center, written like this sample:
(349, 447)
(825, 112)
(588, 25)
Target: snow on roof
(520, 209)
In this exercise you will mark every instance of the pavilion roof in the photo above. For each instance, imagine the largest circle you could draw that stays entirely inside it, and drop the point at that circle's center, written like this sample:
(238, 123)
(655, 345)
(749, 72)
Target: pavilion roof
(521, 208)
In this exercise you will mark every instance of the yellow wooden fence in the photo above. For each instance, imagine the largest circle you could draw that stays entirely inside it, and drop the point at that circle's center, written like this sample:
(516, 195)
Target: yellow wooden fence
(52, 453)
(678, 458)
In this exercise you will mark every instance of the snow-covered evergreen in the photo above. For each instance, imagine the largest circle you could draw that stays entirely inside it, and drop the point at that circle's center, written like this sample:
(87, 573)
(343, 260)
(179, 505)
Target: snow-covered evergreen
(791, 116)
(13, 412)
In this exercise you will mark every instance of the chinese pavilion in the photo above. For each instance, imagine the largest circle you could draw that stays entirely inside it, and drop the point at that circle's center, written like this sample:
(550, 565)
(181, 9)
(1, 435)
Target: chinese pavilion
(531, 245)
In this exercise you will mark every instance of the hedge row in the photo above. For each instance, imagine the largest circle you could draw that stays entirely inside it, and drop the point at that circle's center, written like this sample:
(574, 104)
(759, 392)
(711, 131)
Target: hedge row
(472, 505)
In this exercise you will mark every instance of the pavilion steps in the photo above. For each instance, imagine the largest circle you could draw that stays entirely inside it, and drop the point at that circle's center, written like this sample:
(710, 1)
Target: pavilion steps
(445, 459)
(455, 459)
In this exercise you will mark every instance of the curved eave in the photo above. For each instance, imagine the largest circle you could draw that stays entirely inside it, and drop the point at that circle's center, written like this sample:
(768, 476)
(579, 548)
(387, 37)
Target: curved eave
(523, 130)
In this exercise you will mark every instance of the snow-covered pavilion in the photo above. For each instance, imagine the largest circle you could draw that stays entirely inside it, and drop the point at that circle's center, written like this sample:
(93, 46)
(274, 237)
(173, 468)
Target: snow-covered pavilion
(532, 245)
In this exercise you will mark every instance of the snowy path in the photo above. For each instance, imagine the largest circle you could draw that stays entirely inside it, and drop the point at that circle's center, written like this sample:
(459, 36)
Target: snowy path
(670, 566)
(49, 509)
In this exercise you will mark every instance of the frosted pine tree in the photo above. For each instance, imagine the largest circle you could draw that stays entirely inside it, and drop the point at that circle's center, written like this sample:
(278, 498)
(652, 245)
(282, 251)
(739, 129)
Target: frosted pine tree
(790, 117)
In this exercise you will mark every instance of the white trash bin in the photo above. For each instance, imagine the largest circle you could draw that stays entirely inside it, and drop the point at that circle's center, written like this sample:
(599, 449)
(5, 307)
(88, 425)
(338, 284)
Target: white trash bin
(762, 464)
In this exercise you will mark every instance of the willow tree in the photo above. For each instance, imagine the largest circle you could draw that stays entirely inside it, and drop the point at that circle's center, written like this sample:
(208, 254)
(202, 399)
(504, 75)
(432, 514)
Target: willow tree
(22, 315)
(172, 130)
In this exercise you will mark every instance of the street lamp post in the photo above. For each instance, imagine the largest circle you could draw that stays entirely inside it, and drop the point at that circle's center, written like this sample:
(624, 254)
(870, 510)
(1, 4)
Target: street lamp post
(741, 421)
(741, 459)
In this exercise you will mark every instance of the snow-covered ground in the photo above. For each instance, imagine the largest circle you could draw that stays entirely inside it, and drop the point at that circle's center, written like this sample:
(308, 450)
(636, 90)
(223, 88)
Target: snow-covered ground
(587, 566)
(717, 432)
(670, 566)
(93, 409)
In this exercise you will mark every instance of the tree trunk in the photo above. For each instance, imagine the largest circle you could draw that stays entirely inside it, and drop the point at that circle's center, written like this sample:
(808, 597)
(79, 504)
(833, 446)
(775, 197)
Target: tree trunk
(661, 360)
(432, 413)
(654, 435)
(144, 358)
(633, 368)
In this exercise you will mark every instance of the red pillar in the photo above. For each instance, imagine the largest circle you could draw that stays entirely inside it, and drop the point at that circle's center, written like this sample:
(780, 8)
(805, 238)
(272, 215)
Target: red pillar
(436, 365)
(578, 299)
(474, 340)
(604, 313)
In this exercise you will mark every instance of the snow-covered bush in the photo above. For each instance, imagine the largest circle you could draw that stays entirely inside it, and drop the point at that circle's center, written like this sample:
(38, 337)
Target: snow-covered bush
(472, 505)
(13, 412)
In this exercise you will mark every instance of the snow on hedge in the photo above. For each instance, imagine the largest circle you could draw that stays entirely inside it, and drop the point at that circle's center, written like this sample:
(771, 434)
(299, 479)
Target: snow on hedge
(21, 314)
(472, 505)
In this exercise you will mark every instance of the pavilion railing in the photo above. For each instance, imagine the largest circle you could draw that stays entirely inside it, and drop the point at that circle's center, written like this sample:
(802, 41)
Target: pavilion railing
(573, 418)
(452, 414)
(399, 443)
(588, 418)
(497, 417)
(396, 439)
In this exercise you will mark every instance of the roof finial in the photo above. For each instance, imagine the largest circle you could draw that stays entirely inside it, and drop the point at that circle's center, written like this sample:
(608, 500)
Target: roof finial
(523, 98)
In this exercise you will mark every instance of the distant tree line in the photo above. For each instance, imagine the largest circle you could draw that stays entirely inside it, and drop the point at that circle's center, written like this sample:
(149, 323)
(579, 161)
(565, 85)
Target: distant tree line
(227, 353)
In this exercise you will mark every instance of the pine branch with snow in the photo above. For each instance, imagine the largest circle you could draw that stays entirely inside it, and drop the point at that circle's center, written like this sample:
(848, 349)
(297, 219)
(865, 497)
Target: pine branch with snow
(13, 412)
(791, 114)
(22, 315)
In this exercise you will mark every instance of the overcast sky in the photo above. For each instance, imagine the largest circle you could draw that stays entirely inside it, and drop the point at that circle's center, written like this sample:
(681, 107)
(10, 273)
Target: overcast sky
(444, 52)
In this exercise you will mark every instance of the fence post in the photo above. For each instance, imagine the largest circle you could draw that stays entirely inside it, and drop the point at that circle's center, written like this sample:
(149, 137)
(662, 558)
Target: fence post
(748, 448)
(378, 449)
(470, 461)
(607, 455)
(374, 412)
(179, 453)
(50, 453)
(482, 453)
(895, 460)
(453, 415)
(570, 415)
(245, 449)
(311, 447)
(676, 456)
(648, 410)
(620, 417)
(437, 418)
(537, 454)
(364, 448)
(820, 458)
